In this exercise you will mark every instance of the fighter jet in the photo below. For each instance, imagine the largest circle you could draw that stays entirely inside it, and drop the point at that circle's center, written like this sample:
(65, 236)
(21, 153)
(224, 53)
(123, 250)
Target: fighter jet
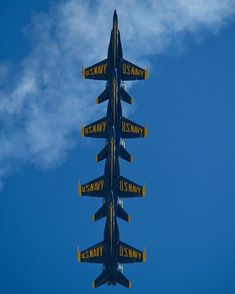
(112, 187)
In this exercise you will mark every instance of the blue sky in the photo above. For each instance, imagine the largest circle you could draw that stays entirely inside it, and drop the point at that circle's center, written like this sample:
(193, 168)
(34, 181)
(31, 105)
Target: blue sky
(187, 219)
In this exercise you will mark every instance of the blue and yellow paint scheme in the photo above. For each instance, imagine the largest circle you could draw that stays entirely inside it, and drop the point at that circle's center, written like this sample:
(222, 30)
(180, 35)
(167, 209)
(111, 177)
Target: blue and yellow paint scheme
(113, 187)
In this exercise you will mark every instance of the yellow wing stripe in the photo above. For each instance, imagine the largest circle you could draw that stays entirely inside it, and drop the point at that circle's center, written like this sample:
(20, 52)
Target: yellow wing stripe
(78, 255)
(146, 132)
(114, 100)
(82, 131)
(83, 72)
(146, 73)
(143, 190)
(144, 255)
(79, 189)
(112, 159)
(111, 226)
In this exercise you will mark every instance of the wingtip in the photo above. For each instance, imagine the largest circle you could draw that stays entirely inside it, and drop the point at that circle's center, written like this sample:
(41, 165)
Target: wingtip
(146, 73)
(78, 255)
(144, 255)
(129, 218)
(79, 189)
(93, 285)
(144, 190)
(129, 285)
(146, 132)
(82, 131)
(83, 72)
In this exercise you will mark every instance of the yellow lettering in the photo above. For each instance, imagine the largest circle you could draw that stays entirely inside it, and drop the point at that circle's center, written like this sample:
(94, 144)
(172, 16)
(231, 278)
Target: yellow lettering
(105, 67)
(92, 187)
(96, 70)
(129, 187)
(95, 128)
(91, 253)
(139, 189)
(132, 71)
(125, 186)
(131, 128)
(123, 68)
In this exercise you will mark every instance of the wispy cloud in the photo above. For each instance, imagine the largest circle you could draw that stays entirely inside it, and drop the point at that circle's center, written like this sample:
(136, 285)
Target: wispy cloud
(43, 100)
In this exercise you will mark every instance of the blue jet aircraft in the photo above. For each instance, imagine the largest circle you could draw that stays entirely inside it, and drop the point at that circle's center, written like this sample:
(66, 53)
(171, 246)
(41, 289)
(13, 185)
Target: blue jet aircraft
(113, 187)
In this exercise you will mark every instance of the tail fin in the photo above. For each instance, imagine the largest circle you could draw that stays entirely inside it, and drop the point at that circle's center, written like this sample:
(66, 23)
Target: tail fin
(100, 213)
(100, 280)
(129, 254)
(103, 96)
(131, 71)
(130, 129)
(121, 213)
(102, 155)
(124, 154)
(98, 71)
(125, 96)
(122, 280)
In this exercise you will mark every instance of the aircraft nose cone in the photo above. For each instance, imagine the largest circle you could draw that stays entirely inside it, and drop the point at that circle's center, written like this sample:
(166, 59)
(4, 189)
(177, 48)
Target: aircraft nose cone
(115, 16)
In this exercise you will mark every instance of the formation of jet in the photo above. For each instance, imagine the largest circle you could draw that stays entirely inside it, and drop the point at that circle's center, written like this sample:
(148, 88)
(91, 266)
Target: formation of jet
(112, 187)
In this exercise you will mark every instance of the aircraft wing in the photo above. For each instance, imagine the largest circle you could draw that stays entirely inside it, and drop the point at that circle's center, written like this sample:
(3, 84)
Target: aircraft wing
(130, 129)
(98, 71)
(129, 254)
(93, 254)
(128, 188)
(94, 188)
(97, 129)
(130, 71)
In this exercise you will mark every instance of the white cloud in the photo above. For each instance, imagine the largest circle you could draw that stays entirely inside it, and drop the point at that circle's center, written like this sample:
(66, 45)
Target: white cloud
(43, 101)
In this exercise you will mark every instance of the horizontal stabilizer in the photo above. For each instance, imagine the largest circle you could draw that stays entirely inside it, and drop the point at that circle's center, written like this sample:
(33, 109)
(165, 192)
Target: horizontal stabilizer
(122, 280)
(121, 213)
(98, 71)
(97, 129)
(129, 254)
(93, 254)
(130, 129)
(131, 71)
(100, 280)
(128, 188)
(100, 213)
(125, 96)
(103, 96)
(94, 188)
(124, 154)
(102, 155)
